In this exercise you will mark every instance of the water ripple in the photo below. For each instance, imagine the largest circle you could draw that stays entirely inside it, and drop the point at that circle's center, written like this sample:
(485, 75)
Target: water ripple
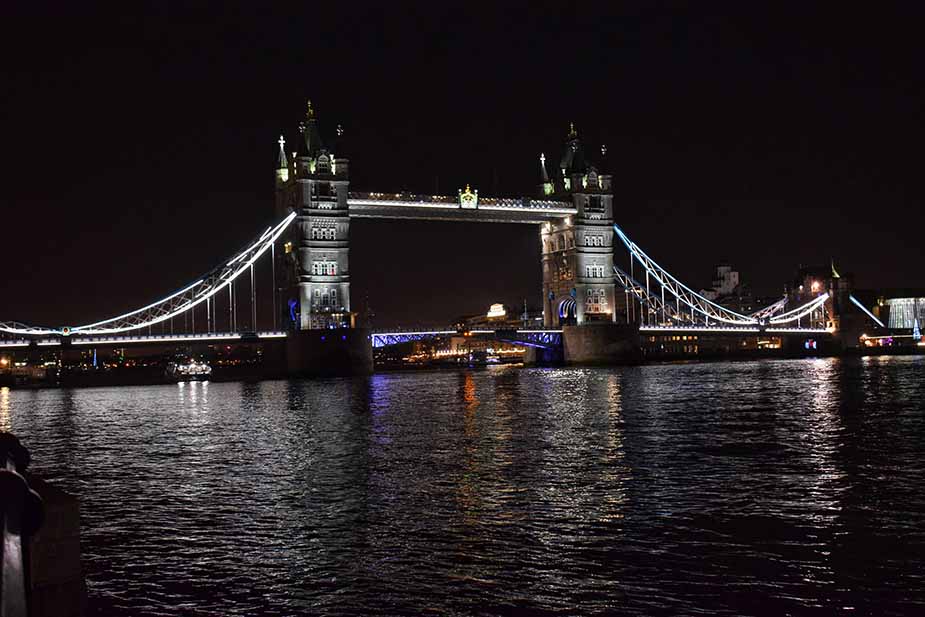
(776, 487)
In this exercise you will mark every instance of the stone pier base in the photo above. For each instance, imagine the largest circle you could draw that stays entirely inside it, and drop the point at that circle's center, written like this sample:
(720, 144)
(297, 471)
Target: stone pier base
(601, 343)
(537, 356)
(343, 351)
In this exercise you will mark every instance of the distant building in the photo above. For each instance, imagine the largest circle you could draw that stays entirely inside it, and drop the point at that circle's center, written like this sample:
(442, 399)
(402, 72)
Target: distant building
(904, 313)
(725, 283)
(499, 317)
(898, 309)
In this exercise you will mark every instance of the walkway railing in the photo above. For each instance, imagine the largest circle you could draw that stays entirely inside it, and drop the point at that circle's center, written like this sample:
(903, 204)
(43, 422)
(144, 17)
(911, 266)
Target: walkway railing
(22, 512)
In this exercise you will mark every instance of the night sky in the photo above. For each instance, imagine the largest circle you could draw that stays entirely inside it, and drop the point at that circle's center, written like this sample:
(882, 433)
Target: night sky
(138, 147)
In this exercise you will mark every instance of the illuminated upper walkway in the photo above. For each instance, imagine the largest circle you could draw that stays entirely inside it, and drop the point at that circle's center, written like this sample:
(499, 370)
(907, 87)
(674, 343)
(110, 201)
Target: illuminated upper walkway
(468, 206)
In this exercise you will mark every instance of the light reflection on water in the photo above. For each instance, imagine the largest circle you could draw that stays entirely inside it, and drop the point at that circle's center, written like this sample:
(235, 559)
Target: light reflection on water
(781, 487)
(5, 424)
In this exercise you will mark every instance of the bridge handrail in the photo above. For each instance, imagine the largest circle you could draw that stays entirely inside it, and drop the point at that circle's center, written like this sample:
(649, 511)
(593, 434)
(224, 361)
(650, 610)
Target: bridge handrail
(21, 516)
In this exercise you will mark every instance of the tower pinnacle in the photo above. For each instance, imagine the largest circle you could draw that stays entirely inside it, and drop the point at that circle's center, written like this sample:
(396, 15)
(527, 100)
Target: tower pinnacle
(544, 175)
(282, 163)
(310, 134)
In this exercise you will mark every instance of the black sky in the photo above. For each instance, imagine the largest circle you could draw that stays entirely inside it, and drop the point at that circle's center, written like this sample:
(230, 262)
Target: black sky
(138, 144)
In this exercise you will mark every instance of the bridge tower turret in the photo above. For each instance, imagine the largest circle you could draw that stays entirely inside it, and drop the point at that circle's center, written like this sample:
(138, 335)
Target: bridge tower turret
(578, 285)
(323, 230)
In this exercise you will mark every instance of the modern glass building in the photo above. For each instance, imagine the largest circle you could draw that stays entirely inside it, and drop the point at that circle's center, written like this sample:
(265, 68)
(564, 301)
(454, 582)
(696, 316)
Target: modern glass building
(903, 312)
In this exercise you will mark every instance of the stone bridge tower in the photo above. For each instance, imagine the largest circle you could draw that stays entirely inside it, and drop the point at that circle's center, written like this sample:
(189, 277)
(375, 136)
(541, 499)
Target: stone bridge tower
(577, 252)
(315, 184)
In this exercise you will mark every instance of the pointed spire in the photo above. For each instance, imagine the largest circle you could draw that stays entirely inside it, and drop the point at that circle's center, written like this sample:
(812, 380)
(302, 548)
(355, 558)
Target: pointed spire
(282, 163)
(310, 134)
(340, 142)
(545, 176)
(572, 133)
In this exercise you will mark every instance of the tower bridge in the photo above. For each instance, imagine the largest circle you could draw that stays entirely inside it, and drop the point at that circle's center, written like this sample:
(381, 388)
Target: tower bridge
(589, 302)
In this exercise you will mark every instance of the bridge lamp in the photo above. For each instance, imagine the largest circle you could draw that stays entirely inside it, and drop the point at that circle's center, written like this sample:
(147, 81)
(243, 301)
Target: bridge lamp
(815, 286)
(4, 362)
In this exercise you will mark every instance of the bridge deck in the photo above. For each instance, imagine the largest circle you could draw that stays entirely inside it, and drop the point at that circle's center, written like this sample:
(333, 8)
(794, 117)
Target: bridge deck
(213, 337)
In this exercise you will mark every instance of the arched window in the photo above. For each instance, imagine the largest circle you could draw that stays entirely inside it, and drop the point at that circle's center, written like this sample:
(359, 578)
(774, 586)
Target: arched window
(561, 243)
(334, 297)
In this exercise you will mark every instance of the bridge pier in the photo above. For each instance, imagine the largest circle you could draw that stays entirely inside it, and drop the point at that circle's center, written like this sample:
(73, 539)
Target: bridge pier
(338, 351)
(601, 343)
(540, 356)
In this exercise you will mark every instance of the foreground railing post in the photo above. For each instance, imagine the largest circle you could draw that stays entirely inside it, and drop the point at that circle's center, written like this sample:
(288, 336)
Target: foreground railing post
(21, 509)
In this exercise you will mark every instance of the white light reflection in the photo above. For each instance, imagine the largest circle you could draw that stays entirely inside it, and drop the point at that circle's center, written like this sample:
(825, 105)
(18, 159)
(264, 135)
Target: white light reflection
(815, 463)
(616, 471)
(5, 423)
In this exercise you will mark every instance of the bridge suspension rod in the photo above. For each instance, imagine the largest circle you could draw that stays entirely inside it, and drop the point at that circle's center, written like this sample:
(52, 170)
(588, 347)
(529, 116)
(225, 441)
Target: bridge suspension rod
(682, 292)
(179, 302)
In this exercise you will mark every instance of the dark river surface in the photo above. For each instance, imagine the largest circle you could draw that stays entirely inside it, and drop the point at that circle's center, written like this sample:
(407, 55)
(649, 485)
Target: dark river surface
(784, 487)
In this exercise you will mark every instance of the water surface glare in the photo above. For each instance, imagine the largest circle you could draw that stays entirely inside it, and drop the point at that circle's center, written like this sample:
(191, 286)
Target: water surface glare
(771, 487)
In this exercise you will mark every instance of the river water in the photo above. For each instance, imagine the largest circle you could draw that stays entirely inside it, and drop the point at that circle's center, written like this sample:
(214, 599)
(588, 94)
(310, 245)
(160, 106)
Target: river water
(769, 487)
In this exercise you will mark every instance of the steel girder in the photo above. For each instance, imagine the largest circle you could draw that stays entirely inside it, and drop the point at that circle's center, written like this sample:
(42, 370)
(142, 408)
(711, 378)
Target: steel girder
(178, 302)
(652, 302)
(544, 339)
(684, 294)
(704, 307)
(771, 309)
